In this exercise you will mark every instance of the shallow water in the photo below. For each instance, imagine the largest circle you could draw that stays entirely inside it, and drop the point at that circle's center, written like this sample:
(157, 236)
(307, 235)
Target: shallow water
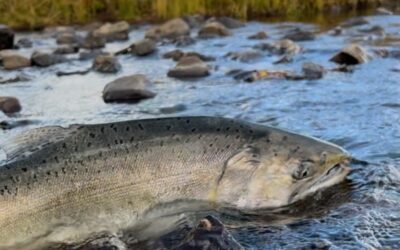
(359, 111)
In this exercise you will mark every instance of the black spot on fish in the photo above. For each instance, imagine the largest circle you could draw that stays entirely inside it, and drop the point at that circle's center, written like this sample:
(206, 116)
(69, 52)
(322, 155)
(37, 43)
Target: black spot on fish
(132, 139)
(44, 161)
(168, 127)
(64, 145)
(211, 145)
(140, 126)
(187, 121)
(228, 128)
(194, 129)
(102, 130)
(127, 128)
(284, 138)
(218, 129)
(24, 169)
(89, 144)
(92, 135)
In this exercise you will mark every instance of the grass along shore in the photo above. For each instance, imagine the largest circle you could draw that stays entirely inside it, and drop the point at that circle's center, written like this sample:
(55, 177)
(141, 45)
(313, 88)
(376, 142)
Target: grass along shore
(29, 14)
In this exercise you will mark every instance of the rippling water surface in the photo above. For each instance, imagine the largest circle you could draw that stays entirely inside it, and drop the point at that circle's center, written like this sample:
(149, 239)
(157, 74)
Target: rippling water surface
(360, 111)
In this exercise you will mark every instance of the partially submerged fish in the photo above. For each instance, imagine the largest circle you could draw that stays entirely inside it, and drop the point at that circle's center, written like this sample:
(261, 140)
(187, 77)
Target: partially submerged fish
(62, 184)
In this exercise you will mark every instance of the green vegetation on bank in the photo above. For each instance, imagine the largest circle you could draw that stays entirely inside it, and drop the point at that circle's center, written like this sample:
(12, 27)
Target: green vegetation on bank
(38, 13)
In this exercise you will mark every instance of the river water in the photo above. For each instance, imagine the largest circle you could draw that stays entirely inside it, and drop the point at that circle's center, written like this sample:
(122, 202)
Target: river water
(359, 111)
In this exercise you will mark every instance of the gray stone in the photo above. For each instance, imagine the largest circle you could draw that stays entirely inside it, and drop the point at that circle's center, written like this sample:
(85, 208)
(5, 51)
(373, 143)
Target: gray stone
(24, 43)
(300, 35)
(44, 59)
(189, 67)
(9, 104)
(229, 22)
(350, 55)
(67, 38)
(258, 36)
(128, 89)
(91, 54)
(357, 21)
(313, 71)
(194, 21)
(113, 31)
(67, 49)
(106, 64)
(170, 30)
(15, 61)
(143, 47)
(245, 56)
(177, 54)
(93, 42)
(213, 29)
(6, 37)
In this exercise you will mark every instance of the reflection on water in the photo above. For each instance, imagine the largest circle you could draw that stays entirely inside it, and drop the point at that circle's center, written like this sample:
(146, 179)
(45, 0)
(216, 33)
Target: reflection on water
(358, 111)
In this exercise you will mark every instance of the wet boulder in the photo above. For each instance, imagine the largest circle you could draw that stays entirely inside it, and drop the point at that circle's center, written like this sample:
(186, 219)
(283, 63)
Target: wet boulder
(24, 43)
(383, 11)
(177, 54)
(312, 71)
(258, 36)
(106, 64)
(210, 233)
(128, 89)
(375, 30)
(356, 21)
(281, 47)
(90, 54)
(6, 37)
(183, 41)
(45, 59)
(143, 47)
(92, 42)
(189, 67)
(9, 104)
(15, 61)
(245, 56)
(67, 38)
(300, 35)
(66, 49)
(118, 31)
(350, 55)
(213, 29)
(228, 22)
(194, 21)
(169, 30)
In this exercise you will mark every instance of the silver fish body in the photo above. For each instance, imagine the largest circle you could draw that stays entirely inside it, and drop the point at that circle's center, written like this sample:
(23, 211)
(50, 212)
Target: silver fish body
(63, 184)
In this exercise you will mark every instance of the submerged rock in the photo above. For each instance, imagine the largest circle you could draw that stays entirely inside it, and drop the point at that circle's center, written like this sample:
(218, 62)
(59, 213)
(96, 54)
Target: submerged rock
(44, 59)
(213, 29)
(350, 55)
(258, 36)
(92, 42)
(118, 31)
(177, 54)
(91, 54)
(15, 61)
(9, 104)
(128, 89)
(245, 56)
(67, 38)
(188, 67)
(170, 30)
(24, 43)
(300, 35)
(312, 71)
(106, 64)
(143, 47)
(67, 49)
(376, 30)
(281, 47)
(6, 37)
(357, 21)
(228, 22)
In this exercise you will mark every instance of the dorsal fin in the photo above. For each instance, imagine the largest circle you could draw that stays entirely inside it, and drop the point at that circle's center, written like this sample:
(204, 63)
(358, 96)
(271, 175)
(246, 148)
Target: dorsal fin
(29, 142)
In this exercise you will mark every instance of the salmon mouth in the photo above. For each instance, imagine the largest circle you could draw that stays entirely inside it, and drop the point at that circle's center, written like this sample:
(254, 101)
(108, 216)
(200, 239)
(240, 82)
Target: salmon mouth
(334, 175)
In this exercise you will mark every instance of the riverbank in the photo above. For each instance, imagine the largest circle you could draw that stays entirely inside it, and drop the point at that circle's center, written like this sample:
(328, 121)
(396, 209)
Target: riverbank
(36, 14)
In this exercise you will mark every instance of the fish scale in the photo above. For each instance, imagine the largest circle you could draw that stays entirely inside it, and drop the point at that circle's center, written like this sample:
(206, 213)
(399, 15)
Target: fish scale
(88, 178)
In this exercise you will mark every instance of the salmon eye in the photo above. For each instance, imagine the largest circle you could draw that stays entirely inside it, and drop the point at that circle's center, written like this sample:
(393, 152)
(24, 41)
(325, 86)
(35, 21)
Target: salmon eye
(304, 170)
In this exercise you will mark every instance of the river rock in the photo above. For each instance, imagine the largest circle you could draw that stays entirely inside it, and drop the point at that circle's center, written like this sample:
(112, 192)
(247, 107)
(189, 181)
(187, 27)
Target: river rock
(67, 38)
(357, 21)
(376, 30)
(194, 21)
(350, 55)
(169, 30)
(90, 54)
(9, 104)
(24, 43)
(228, 22)
(300, 35)
(189, 67)
(183, 41)
(143, 47)
(213, 29)
(313, 71)
(177, 54)
(383, 11)
(66, 49)
(106, 64)
(245, 56)
(258, 36)
(280, 47)
(6, 37)
(92, 42)
(113, 31)
(15, 61)
(44, 59)
(128, 89)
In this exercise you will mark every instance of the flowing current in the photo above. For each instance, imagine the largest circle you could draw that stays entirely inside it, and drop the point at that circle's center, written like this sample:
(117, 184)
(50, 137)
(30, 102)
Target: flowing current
(359, 111)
